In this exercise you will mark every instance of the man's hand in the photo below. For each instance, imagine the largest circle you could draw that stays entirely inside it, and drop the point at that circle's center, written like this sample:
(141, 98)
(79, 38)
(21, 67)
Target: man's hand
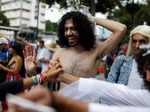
(30, 54)
(53, 71)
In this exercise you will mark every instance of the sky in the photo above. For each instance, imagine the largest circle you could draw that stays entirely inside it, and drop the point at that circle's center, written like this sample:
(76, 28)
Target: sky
(54, 13)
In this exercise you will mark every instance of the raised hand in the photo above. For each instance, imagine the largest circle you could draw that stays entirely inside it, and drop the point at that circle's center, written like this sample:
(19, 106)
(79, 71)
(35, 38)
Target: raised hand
(30, 54)
(53, 71)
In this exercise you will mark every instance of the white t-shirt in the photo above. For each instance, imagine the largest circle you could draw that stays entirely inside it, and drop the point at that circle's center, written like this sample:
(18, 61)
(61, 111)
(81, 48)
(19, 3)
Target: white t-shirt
(92, 107)
(135, 81)
(91, 90)
(38, 55)
(44, 54)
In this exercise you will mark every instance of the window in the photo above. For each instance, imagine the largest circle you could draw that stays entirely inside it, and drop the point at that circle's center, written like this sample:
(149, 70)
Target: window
(43, 6)
(36, 17)
(42, 14)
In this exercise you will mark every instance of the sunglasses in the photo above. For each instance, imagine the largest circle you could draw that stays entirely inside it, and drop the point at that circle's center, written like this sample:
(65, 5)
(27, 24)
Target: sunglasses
(140, 41)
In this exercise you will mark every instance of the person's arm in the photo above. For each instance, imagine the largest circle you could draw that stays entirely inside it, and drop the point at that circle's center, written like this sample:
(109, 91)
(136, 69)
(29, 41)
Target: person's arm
(108, 93)
(10, 87)
(41, 95)
(118, 31)
(68, 78)
(44, 60)
(17, 86)
(3, 61)
(14, 70)
(115, 69)
(64, 104)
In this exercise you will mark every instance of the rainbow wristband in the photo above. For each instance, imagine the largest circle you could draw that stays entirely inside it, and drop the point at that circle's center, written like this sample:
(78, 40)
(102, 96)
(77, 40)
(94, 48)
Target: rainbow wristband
(35, 80)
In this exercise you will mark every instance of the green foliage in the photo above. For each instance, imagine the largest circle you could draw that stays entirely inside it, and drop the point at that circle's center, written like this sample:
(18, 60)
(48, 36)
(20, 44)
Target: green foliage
(63, 3)
(131, 14)
(50, 26)
(102, 5)
(4, 21)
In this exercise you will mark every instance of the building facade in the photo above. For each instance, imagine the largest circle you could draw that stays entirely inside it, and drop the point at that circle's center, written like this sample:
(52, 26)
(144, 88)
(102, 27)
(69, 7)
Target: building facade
(25, 13)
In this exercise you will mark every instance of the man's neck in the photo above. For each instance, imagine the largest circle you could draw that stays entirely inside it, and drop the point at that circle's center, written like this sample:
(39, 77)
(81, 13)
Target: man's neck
(78, 48)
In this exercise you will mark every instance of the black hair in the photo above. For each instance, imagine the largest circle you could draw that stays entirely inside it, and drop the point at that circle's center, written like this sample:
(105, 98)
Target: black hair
(82, 25)
(42, 41)
(18, 47)
(143, 62)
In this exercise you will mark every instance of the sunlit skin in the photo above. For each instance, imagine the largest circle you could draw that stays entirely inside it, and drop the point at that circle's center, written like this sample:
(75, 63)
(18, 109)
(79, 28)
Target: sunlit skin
(138, 40)
(71, 33)
(11, 50)
(148, 75)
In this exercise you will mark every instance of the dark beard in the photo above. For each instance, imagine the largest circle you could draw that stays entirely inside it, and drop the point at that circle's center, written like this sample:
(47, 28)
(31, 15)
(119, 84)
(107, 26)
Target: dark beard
(73, 45)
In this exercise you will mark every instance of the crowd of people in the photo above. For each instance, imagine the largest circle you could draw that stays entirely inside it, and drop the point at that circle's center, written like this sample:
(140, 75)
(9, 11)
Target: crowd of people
(73, 67)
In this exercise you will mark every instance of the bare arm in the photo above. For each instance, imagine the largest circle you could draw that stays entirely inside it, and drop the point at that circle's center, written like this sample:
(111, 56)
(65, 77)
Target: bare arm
(17, 67)
(118, 31)
(44, 60)
(58, 102)
(64, 104)
(68, 78)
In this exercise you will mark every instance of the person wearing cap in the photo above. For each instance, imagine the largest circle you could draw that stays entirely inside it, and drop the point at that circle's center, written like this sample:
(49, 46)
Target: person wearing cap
(3, 50)
(124, 68)
(4, 57)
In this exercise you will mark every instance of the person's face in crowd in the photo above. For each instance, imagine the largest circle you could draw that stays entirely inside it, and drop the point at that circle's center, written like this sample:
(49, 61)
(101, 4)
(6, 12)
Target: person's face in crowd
(137, 40)
(3, 47)
(41, 44)
(11, 50)
(71, 33)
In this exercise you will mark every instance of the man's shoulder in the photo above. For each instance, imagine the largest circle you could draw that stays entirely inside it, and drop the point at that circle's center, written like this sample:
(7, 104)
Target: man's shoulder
(60, 50)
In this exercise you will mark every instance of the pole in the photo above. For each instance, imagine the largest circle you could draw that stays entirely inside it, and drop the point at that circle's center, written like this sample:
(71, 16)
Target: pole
(38, 6)
(21, 6)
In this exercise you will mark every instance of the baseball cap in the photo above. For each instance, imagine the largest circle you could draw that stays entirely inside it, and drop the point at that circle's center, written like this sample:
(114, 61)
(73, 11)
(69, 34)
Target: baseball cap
(3, 41)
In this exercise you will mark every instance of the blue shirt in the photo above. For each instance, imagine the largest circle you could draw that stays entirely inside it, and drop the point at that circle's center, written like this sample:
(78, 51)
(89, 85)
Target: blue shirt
(5, 55)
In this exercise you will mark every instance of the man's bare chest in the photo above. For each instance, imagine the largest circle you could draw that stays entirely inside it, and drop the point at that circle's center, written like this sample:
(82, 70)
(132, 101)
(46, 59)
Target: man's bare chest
(82, 63)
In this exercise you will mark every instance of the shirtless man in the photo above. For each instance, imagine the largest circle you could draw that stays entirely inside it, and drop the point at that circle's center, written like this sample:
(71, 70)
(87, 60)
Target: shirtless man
(80, 53)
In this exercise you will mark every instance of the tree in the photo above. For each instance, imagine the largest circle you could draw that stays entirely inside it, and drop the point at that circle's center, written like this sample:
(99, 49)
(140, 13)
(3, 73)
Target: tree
(50, 26)
(101, 6)
(132, 14)
(4, 21)
(63, 3)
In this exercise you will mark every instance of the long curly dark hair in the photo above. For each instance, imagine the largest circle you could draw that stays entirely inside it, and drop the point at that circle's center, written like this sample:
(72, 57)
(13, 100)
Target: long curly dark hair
(82, 25)
(143, 62)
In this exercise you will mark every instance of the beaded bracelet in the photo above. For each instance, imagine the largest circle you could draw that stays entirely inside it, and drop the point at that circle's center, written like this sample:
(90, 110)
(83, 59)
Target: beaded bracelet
(39, 79)
(35, 80)
(43, 78)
